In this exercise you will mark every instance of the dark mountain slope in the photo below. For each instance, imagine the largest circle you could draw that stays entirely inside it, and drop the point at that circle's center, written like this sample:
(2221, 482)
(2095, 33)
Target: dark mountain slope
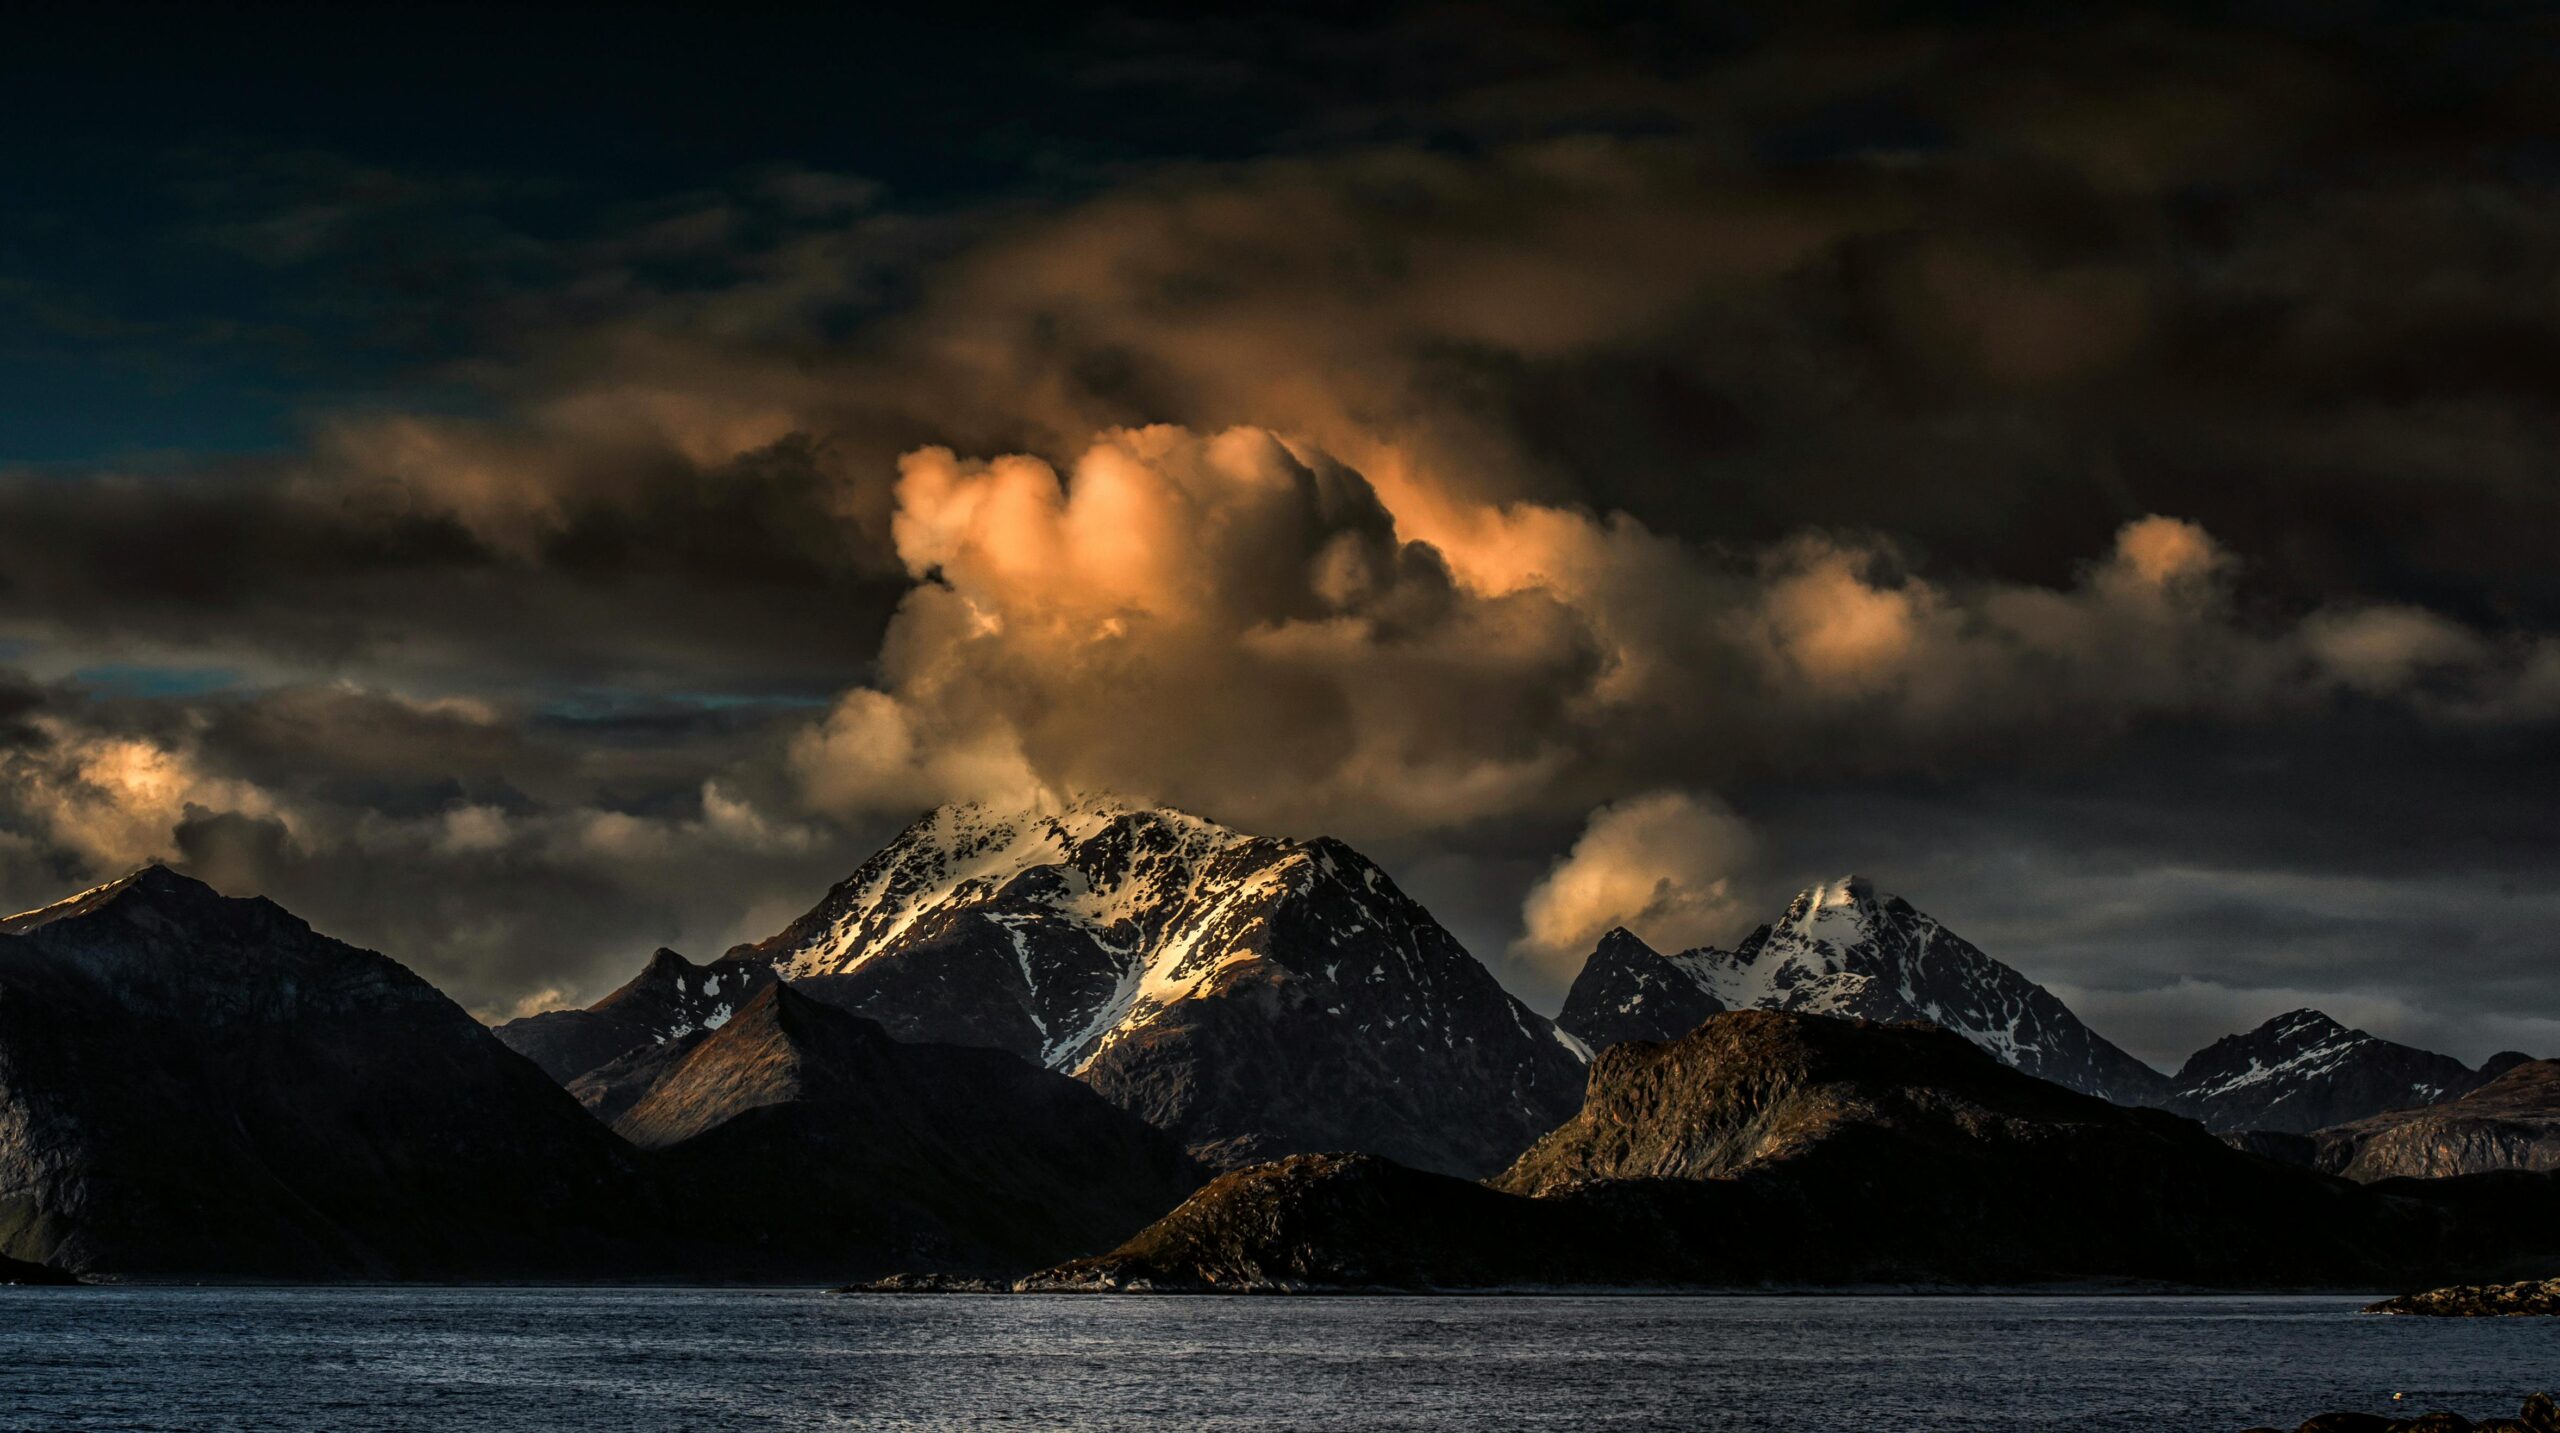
(191, 1085)
(811, 1139)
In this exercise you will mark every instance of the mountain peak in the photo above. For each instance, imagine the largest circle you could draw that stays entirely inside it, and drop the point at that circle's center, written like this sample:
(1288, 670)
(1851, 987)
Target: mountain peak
(665, 961)
(1850, 900)
(1622, 941)
(1136, 947)
(151, 881)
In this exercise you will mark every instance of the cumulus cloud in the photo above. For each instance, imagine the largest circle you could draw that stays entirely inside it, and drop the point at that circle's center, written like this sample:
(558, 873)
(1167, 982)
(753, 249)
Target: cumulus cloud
(1215, 619)
(1667, 865)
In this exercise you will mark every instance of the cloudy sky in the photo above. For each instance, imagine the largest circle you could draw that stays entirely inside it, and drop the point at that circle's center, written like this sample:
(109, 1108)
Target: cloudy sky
(523, 488)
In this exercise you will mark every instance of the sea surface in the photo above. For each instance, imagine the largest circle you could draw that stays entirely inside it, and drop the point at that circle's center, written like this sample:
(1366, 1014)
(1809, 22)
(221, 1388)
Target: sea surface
(522, 1359)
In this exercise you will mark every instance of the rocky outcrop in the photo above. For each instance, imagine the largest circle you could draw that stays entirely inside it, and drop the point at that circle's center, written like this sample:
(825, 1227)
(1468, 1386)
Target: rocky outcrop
(1767, 1147)
(2303, 1071)
(813, 1140)
(2534, 1297)
(2540, 1414)
(2512, 1122)
(670, 999)
(1251, 996)
(197, 1086)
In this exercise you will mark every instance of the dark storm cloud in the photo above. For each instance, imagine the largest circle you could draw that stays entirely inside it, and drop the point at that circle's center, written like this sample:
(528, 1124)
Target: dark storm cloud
(2091, 471)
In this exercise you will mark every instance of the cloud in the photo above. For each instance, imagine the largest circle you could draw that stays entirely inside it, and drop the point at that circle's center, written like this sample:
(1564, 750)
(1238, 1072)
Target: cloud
(1214, 619)
(2380, 650)
(1777, 412)
(485, 850)
(1664, 865)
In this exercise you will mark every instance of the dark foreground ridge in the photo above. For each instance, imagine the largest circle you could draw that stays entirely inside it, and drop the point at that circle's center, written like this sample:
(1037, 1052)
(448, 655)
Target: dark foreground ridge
(1770, 1148)
(204, 1087)
(2539, 1415)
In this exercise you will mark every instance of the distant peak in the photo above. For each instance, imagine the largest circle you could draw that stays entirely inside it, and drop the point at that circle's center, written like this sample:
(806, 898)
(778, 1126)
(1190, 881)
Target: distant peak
(1622, 942)
(2504, 1061)
(2305, 1021)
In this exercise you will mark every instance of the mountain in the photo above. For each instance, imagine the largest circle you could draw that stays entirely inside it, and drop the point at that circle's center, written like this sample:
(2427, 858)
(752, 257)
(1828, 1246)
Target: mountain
(2511, 1122)
(2303, 1071)
(1249, 995)
(1844, 949)
(819, 1142)
(1767, 1146)
(1627, 990)
(197, 1086)
(670, 998)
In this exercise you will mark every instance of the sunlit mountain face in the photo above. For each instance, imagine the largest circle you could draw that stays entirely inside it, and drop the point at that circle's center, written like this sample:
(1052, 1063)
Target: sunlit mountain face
(526, 490)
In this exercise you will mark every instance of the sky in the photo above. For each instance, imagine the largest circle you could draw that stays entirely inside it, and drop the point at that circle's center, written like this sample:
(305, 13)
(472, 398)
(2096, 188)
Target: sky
(525, 486)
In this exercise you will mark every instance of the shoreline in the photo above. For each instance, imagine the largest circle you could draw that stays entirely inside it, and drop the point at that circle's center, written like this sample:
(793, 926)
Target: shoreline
(1513, 1291)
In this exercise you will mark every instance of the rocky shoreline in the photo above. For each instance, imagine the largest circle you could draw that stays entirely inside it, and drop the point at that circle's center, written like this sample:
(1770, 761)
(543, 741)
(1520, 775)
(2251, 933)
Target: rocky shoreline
(2539, 1415)
(2532, 1298)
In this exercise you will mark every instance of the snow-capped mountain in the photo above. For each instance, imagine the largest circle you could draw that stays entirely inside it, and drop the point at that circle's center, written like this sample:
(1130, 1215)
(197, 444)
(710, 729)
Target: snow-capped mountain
(1629, 991)
(670, 999)
(1844, 949)
(1253, 996)
(2303, 1071)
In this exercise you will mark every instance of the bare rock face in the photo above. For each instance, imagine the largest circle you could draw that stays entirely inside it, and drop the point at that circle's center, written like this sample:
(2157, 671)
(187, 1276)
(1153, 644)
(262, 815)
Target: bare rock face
(1843, 948)
(2303, 1071)
(1250, 996)
(670, 999)
(196, 1086)
(2512, 1122)
(813, 1140)
(1765, 1146)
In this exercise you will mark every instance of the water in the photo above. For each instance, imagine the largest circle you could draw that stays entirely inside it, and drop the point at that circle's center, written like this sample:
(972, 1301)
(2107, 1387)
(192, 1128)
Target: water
(758, 1359)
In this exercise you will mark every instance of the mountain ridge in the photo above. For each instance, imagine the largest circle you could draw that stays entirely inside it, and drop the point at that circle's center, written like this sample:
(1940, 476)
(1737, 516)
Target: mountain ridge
(2303, 1071)
(1842, 948)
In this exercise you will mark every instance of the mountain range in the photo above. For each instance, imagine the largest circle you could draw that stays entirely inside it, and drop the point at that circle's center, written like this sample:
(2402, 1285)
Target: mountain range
(1014, 1038)
(1844, 949)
